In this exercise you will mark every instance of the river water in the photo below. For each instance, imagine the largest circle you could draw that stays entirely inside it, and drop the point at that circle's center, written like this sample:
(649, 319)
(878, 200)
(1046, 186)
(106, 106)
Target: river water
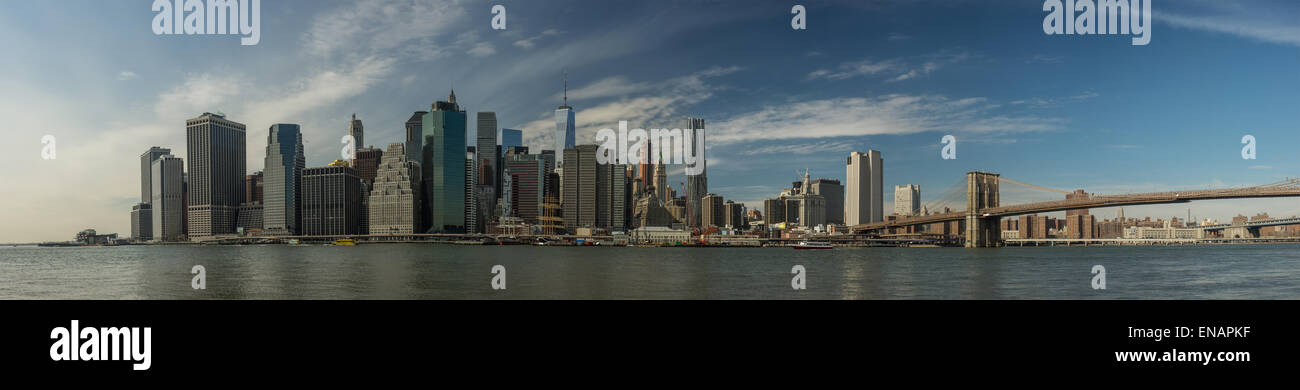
(430, 271)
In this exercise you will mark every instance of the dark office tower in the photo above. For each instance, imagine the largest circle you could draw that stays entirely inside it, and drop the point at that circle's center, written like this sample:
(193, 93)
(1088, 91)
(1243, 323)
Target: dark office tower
(527, 177)
(487, 182)
(697, 184)
(611, 196)
(442, 139)
(282, 180)
(146, 161)
(735, 214)
(253, 187)
(711, 212)
(141, 222)
(367, 164)
(833, 192)
(471, 200)
(415, 136)
(331, 200)
(773, 212)
(167, 202)
(550, 186)
(216, 149)
(579, 187)
(357, 131)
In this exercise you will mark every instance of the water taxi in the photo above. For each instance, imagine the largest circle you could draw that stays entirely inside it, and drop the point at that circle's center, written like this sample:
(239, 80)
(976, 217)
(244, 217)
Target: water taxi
(813, 245)
(344, 242)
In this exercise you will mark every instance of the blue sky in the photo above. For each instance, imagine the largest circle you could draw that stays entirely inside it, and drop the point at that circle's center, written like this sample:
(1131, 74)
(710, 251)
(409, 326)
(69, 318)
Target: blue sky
(1062, 111)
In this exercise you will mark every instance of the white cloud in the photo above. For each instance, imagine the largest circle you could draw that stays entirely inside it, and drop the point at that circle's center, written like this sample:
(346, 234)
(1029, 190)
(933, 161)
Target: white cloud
(897, 68)
(374, 26)
(531, 42)
(126, 75)
(482, 49)
(1236, 21)
(889, 114)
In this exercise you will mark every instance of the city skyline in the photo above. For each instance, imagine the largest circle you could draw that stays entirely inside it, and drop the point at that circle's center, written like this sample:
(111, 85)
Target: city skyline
(1180, 136)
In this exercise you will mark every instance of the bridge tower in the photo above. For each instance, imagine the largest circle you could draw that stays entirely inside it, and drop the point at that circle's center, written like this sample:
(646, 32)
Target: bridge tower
(981, 193)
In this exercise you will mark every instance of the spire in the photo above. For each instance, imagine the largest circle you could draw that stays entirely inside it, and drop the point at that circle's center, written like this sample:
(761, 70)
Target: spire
(452, 98)
(566, 88)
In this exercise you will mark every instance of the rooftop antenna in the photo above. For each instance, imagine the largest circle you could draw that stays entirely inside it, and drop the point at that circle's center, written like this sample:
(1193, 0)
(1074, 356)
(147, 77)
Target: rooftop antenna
(566, 88)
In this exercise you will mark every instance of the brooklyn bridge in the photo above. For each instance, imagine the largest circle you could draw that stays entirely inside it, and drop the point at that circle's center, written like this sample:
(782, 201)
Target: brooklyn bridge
(984, 209)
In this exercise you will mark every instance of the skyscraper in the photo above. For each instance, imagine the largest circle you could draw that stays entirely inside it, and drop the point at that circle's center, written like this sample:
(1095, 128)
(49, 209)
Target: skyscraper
(282, 180)
(907, 200)
(487, 182)
(579, 187)
(415, 136)
(395, 200)
(146, 162)
(511, 137)
(331, 200)
(864, 200)
(167, 201)
(358, 132)
(442, 160)
(527, 177)
(833, 193)
(612, 197)
(697, 185)
(565, 136)
(712, 212)
(253, 187)
(216, 148)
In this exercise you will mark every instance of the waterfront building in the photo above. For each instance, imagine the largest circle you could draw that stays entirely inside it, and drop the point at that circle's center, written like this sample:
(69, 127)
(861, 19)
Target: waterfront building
(282, 180)
(167, 204)
(527, 175)
(443, 162)
(331, 200)
(487, 176)
(141, 222)
(734, 215)
(660, 235)
(250, 217)
(864, 201)
(711, 212)
(394, 201)
(579, 187)
(697, 185)
(146, 163)
(216, 148)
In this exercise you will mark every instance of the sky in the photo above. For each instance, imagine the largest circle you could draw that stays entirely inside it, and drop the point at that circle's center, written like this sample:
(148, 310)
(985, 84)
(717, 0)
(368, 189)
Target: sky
(1090, 112)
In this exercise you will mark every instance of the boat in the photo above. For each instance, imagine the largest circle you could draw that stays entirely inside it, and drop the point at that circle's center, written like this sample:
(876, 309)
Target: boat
(344, 242)
(813, 245)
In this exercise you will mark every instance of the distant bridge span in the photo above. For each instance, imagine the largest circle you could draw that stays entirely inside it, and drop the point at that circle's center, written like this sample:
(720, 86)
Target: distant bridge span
(982, 224)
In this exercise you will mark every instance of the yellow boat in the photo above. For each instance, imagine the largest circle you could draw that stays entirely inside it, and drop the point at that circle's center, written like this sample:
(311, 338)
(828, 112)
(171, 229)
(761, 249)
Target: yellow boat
(345, 242)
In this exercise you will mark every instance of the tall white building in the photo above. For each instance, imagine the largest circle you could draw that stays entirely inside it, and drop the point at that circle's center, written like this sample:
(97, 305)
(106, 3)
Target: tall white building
(863, 190)
(907, 200)
(395, 199)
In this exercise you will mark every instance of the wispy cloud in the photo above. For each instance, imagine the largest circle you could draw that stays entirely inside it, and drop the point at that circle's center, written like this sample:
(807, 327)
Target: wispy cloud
(126, 75)
(896, 69)
(800, 148)
(531, 42)
(889, 114)
(1240, 21)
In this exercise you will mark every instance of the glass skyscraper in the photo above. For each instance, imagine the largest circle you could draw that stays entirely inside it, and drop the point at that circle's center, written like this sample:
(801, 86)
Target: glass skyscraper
(282, 179)
(443, 164)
